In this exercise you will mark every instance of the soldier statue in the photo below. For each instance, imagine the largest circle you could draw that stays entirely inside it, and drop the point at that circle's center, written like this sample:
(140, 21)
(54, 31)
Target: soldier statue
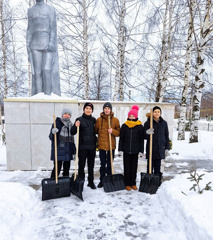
(42, 49)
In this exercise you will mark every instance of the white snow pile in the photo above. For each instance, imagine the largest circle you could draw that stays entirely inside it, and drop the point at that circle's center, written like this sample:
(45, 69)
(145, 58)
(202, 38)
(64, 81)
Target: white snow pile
(18, 205)
(190, 211)
(193, 151)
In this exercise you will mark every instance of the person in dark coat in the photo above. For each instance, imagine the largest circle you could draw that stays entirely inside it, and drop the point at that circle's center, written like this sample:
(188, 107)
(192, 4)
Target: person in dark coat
(131, 142)
(160, 145)
(87, 143)
(65, 143)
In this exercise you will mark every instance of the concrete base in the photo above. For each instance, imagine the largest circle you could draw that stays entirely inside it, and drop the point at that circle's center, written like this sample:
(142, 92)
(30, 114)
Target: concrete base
(28, 123)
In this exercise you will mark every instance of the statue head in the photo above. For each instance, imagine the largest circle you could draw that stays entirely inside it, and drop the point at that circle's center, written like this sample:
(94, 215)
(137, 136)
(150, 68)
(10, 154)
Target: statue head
(39, 0)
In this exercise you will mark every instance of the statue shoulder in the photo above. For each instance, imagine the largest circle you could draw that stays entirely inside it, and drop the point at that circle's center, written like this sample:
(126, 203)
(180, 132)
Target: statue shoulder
(50, 8)
(30, 12)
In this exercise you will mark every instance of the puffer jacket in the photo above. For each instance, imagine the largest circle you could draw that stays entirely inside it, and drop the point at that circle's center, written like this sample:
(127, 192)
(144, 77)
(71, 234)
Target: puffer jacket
(66, 150)
(160, 138)
(101, 128)
(131, 138)
(87, 137)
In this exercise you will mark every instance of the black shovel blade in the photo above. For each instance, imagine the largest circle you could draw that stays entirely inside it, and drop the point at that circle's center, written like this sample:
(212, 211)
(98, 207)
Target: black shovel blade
(77, 186)
(113, 183)
(51, 189)
(149, 183)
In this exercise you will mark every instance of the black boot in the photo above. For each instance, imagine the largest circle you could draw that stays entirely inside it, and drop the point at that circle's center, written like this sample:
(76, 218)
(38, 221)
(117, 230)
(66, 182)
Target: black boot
(91, 185)
(160, 178)
(100, 185)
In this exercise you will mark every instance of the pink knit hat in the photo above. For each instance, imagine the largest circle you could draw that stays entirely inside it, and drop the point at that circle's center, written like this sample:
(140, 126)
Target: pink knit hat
(134, 111)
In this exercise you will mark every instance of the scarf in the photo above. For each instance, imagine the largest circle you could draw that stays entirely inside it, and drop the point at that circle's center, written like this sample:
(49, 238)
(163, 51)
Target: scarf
(65, 134)
(132, 124)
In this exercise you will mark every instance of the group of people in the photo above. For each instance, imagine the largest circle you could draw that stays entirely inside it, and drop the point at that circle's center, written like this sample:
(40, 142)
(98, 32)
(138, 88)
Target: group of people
(131, 142)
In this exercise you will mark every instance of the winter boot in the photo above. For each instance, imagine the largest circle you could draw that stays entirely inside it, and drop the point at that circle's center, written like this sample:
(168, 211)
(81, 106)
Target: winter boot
(91, 185)
(128, 188)
(100, 185)
(134, 188)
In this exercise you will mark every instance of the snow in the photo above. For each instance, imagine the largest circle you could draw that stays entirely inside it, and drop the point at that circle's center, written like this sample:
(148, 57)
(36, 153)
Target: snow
(174, 212)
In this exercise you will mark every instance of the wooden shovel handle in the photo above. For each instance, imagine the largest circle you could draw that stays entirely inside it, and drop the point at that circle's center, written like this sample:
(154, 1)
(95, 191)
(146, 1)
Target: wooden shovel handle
(110, 147)
(150, 143)
(76, 156)
(56, 154)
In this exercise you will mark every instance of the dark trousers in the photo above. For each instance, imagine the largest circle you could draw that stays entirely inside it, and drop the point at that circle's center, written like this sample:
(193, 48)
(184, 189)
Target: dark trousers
(156, 164)
(105, 168)
(130, 168)
(89, 155)
(66, 168)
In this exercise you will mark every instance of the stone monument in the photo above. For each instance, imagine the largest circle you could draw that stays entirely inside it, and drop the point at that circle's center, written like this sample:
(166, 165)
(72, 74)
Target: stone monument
(42, 49)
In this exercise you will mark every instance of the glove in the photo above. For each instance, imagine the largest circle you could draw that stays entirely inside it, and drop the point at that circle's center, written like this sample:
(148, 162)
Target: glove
(120, 153)
(54, 130)
(167, 153)
(150, 131)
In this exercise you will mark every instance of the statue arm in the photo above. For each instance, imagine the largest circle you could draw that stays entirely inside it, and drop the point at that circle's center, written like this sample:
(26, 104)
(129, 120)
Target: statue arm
(29, 32)
(53, 31)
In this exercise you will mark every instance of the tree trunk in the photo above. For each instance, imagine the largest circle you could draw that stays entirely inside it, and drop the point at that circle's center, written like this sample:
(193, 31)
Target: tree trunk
(3, 50)
(182, 119)
(159, 89)
(85, 54)
(119, 75)
(204, 38)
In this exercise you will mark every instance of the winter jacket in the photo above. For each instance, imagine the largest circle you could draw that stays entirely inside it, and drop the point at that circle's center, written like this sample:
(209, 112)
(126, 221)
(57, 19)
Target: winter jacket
(66, 150)
(101, 128)
(160, 138)
(87, 137)
(131, 138)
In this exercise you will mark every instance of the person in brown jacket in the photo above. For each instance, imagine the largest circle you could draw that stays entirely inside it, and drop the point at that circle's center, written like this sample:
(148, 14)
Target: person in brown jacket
(103, 130)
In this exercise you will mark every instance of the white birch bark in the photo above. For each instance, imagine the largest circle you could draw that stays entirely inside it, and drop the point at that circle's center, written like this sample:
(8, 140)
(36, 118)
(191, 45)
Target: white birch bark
(3, 50)
(162, 57)
(182, 119)
(122, 47)
(85, 54)
(119, 75)
(204, 38)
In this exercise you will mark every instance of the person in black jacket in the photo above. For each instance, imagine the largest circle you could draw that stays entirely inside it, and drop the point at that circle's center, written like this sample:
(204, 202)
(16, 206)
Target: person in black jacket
(131, 143)
(65, 143)
(160, 145)
(87, 143)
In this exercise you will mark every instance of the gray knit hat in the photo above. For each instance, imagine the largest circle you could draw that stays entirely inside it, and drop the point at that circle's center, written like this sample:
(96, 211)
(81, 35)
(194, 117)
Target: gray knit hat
(107, 104)
(66, 110)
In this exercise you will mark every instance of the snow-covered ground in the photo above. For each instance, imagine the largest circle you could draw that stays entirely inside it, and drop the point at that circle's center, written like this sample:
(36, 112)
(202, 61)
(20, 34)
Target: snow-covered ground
(174, 212)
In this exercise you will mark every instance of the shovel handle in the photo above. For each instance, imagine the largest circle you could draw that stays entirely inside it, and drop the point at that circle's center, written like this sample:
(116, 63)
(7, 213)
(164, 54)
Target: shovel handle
(110, 147)
(76, 156)
(56, 154)
(150, 143)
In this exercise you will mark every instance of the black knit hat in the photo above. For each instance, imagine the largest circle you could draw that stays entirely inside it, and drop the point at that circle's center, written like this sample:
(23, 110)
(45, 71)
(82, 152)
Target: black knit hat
(88, 104)
(107, 104)
(156, 107)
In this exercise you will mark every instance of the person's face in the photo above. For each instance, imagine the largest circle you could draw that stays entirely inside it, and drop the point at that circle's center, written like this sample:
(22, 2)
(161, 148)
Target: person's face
(131, 117)
(66, 115)
(88, 110)
(107, 111)
(156, 114)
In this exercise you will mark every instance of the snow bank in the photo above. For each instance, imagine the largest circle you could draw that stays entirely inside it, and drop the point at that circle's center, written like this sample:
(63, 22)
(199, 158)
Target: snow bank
(18, 204)
(193, 212)
(193, 151)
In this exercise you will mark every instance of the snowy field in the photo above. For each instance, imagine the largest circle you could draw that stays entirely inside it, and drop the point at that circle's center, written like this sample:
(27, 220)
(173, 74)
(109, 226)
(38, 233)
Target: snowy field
(174, 212)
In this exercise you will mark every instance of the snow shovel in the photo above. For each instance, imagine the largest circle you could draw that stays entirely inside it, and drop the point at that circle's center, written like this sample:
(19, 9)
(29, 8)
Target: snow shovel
(114, 182)
(58, 187)
(76, 183)
(149, 182)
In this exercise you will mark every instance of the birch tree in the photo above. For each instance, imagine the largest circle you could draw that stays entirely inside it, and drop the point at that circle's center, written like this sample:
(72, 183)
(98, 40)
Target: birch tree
(4, 66)
(205, 31)
(165, 51)
(182, 119)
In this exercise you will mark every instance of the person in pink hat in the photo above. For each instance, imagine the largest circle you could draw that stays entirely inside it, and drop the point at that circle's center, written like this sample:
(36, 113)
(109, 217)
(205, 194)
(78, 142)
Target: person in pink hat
(131, 142)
